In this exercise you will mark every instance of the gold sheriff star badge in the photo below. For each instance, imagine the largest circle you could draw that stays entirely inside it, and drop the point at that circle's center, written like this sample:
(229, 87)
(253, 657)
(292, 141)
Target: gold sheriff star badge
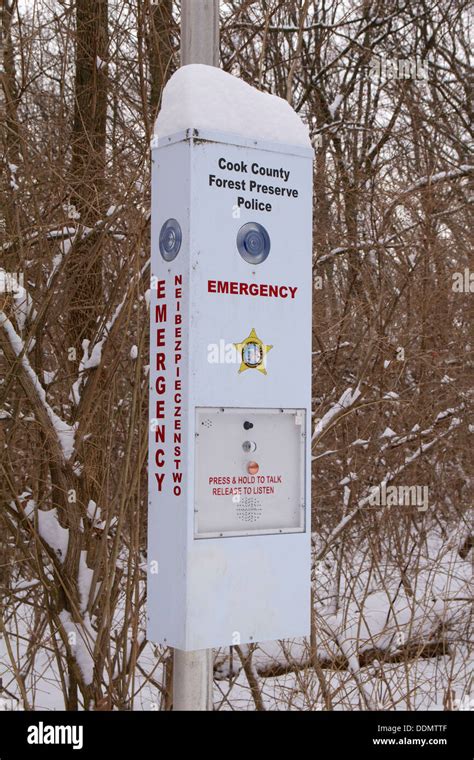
(253, 353)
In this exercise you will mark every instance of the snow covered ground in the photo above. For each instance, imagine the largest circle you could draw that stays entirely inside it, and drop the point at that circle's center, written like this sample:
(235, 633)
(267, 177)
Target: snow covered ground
(381, 644)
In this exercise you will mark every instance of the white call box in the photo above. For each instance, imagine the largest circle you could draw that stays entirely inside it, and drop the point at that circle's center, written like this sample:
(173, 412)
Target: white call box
(229, 521)
(250, 471)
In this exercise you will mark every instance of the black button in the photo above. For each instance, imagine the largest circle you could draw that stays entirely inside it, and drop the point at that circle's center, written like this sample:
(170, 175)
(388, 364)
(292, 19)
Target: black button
(248, 425)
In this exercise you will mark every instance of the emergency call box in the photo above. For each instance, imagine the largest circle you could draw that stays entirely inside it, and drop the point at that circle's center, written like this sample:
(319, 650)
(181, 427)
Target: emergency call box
(230, 391)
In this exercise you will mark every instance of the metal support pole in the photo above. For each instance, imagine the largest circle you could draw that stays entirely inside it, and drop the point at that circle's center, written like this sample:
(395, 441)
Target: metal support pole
(192, 680)
(200, 32)
(193, 671)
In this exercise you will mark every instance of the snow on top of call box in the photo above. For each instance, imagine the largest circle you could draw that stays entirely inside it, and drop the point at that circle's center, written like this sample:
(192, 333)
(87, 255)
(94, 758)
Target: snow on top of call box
(204, 97)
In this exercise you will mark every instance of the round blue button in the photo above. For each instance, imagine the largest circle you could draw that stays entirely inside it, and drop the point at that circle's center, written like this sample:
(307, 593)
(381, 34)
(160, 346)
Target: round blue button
(253, 243)
(170, 239)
